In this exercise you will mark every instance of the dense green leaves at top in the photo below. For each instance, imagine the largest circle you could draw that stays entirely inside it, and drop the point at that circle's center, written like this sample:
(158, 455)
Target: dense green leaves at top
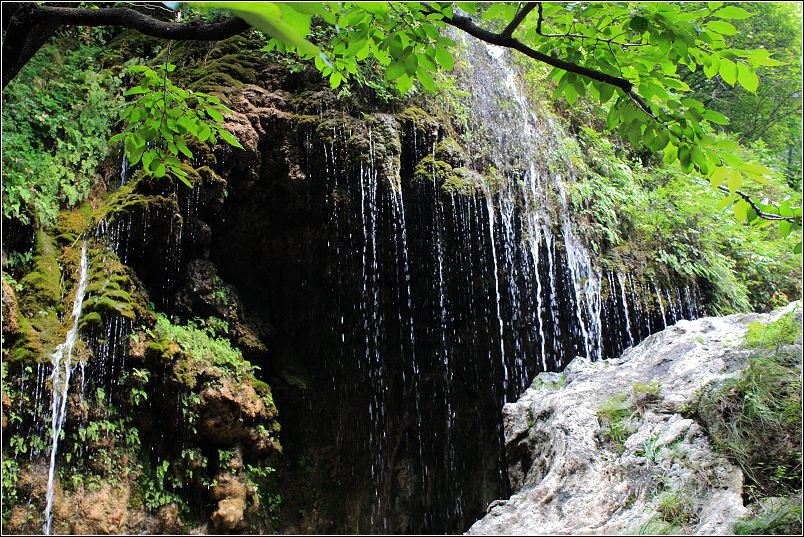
(52, 142)
(653, 48)
(405, 39)
(163, 117)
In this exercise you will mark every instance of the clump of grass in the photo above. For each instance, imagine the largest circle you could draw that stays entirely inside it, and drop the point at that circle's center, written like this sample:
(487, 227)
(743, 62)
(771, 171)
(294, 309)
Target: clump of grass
(646, 393)
(778, 516)
(675, 507)
(616, 419)
(755, 419)
(656, 526)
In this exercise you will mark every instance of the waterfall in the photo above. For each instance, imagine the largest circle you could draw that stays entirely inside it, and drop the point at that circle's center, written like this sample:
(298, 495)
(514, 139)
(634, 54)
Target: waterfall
(504, 288)
(60, 380)
(620, 280)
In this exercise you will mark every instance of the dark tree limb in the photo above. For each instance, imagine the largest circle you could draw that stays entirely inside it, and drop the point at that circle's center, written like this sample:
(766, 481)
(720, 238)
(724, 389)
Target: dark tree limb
(466, 24)
(760, 213)
(540, 20)
(518, 18)
(31, 25)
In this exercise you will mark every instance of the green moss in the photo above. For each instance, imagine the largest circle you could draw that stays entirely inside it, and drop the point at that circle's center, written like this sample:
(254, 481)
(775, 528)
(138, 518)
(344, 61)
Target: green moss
(542, 381)
(185, 372)
(111, 289)
(91, 320)
(261, 387)
(40, 305)
(73, 223)
(42, 286)
(418, 117)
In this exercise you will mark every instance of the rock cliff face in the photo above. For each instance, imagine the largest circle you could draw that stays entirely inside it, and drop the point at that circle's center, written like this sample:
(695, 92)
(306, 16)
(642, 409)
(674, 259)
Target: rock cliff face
(612, 446)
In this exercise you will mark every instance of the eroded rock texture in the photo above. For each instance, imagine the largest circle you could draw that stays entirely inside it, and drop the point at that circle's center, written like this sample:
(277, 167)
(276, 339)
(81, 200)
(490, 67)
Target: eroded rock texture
(569, 474)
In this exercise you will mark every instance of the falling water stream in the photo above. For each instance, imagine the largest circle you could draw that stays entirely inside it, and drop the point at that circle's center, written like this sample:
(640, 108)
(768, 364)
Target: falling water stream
(456, 301)
(431, 308)
(60, 381)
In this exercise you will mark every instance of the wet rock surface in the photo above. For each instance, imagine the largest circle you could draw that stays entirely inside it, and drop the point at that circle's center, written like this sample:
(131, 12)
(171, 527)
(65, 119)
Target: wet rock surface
(570, 477)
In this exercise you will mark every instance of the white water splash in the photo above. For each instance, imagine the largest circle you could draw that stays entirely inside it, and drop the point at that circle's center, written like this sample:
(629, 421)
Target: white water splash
(60, 380)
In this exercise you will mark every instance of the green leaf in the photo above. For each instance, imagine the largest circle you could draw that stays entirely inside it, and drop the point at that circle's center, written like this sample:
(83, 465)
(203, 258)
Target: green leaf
(684, 156)
(732, 12)
(411, 64)
(147, 158)
(214, 114)
(182, 177)
(721, 27)
(182, 146)
(638, 24)
(426, 80)
(394, 71)
(158, 170)
(335, 80)
(570, 93)
(444, 58)
(699, 158)
(762, 57)
(278, 19)
(785, 228)
(728, 71)
(728, 200)
(715, 117)
(719, 176)
(404, 83)
(712, 68)
(229, 138)
(741, 210)
(735, 181)
(747, 78)
(670, 153)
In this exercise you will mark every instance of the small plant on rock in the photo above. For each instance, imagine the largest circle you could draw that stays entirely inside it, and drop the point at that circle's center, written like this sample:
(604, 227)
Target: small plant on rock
(615, 415)
(675, 507)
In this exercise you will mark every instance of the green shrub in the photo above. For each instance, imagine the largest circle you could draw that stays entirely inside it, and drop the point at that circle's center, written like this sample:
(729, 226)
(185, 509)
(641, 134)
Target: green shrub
(198, 340)
(57, 117)
(783, 331)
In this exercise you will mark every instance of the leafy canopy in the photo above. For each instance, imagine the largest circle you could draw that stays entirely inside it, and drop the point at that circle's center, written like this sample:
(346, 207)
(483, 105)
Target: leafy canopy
(647, 49)
(163, 117)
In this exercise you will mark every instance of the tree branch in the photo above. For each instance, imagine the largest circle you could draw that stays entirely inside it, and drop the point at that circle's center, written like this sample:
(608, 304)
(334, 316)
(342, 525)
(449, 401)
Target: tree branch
(760, 213)
(580, 36)
(518, 18)
(31, 25)
(466, 24)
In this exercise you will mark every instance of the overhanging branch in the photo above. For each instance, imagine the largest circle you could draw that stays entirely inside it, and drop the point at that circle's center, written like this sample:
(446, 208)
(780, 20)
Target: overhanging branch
(130, 18)
(466, 24)
(31, 25)
(760, 213)
(518, 18)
